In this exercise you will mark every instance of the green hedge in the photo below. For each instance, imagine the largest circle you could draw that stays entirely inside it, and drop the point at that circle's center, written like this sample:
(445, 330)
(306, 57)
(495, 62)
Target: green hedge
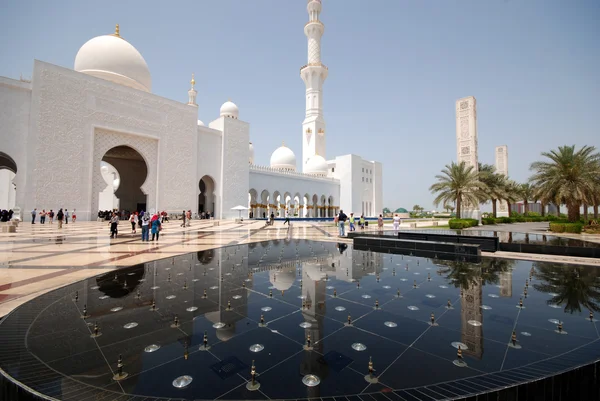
(518, 219)
(572, 228)
(457, 224)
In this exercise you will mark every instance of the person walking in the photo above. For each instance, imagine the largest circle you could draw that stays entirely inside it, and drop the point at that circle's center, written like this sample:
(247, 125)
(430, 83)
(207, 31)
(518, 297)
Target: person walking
(396, 223)
(60, 216)
(145, 227)
(51, 216)
(43, 216)
(182, 219)
(114, 223)
(73, 217)
(380, 223)
(287, 218)
(156, 227)
(361, 222)
(188, 217)
(133, 220)
(342, 222)
(66, 216)
(33, 215)
(352, 227)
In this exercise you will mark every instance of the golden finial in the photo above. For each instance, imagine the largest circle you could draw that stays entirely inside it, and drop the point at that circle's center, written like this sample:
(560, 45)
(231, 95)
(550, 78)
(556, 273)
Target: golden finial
(117, 34)
(193, 81)
(282, 143)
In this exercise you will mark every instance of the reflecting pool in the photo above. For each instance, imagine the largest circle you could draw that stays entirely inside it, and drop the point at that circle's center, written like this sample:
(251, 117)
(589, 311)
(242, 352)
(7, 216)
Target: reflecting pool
(301, 319)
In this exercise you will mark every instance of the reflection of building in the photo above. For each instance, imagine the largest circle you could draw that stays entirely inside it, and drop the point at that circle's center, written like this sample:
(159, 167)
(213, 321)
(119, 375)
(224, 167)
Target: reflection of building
(466, 142)
(506, 284)
(502, 168)
(470, 309)
(532, 206)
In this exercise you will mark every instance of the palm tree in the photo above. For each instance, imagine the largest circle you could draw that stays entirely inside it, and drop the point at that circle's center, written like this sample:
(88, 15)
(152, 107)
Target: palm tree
(495, 184)
(511, 193)
(526, 192)
(458, 183)
(569, 176)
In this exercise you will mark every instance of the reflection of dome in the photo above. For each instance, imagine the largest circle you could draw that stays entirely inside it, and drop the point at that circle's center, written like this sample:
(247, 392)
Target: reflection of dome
(251, 157)
(229, 109)
(316, 165)
(200, 123)
(112, 58)
(283, 159)
(282, 280)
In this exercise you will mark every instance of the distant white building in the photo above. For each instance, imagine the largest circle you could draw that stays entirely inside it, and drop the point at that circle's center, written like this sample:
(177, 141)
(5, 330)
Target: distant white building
(96, 138)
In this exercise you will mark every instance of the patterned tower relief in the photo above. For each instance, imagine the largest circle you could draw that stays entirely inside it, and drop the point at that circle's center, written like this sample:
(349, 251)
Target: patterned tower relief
(466, 144)
(236, 170)
(470, 311)
(502, 168)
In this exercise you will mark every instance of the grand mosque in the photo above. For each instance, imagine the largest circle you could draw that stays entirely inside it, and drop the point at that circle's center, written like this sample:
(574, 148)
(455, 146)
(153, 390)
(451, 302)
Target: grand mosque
(95, 137)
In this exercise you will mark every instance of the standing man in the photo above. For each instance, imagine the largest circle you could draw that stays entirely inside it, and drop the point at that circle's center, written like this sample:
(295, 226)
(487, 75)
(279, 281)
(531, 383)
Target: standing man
(183, 218)
(352, 227)
(66, 216)
(342, 221)
(33, 214)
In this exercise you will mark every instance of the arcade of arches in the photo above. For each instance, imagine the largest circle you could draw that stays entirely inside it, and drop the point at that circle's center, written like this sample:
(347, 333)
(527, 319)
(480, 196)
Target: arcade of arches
(261, 204)
(8, 189)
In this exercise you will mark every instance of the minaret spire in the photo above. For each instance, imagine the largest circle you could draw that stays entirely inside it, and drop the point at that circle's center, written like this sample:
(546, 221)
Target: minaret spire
(313, 74)
(192, 93)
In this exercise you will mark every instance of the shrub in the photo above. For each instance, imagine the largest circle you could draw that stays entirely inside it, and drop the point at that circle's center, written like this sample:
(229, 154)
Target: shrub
(488, 220)
(532, 214)
(564, 227)
(551, 217)
(458, 224)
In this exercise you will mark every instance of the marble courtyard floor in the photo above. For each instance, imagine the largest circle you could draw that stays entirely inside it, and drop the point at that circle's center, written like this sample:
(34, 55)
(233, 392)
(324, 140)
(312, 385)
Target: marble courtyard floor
(40, 258)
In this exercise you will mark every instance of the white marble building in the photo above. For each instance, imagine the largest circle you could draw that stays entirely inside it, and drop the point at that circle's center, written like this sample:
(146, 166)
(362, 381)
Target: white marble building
(95, 137)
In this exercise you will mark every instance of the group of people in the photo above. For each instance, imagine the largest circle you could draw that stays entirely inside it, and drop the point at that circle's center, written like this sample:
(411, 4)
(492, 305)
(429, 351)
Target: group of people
(62, 216)
(142, 220)
(341, 218)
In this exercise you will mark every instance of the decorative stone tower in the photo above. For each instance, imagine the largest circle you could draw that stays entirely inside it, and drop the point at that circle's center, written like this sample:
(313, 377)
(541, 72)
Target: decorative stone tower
(313, 74)
(466, 143)
(192, 93)
(502, 168)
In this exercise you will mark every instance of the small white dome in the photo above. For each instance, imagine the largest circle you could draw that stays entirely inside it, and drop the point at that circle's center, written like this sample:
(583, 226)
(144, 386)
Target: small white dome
(200, 123)
(282, 281)
(316, 165)
(229, 109)
(112, 58)
(283, 159)
(251, 155)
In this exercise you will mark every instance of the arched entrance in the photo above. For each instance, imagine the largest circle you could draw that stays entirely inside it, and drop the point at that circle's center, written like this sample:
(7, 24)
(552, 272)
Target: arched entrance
(207, 196)
(253, 204)
(124, 172)
(8, 189)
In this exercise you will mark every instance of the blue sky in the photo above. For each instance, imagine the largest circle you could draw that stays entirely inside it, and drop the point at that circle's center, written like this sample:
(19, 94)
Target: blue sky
(396, 68)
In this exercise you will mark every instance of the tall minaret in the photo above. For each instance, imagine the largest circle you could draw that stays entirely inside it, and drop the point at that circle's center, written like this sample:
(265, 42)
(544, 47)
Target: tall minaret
(313, 74)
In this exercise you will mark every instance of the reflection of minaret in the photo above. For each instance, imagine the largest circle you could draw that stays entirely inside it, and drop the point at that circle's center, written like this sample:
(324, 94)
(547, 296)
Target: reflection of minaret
(506, 284)
(470, 309)
(313, 288)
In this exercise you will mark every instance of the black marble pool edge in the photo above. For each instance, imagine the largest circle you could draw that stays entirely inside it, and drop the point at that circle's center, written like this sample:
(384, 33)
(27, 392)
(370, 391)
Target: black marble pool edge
(573, 378)
(493, 244)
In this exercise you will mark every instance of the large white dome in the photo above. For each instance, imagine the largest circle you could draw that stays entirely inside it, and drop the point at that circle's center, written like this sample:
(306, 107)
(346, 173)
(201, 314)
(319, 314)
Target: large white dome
(112, 58)
(251, 155)
(316, 165)
(283, 159)
(229, 109)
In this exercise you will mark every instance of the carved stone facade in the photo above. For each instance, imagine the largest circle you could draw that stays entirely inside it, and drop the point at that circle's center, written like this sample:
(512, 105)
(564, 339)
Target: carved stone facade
(75, 117)
(502, 168)
(466, 143)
